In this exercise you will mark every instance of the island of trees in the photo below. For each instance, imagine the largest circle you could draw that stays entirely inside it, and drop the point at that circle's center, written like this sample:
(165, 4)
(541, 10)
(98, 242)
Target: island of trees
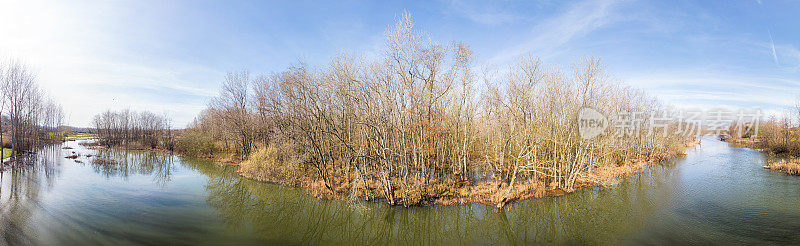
(418, 125)
(133, 130)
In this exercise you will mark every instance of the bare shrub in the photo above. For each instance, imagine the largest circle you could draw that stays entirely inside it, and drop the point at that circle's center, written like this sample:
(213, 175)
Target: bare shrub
(267, 164)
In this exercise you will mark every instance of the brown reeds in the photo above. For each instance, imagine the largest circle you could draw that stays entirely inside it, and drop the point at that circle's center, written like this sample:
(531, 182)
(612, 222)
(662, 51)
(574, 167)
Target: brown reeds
(791, 166)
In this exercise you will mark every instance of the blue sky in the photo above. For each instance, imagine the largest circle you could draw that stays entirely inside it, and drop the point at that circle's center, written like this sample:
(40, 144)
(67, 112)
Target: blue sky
(170, 56)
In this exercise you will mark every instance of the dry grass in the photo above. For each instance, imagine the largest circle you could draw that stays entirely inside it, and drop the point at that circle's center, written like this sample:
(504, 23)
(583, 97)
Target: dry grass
(438, 192)
(229, 158)
(691, 143)
(267, 165)
(93, 145)
(88, 144)
(606, 173)
(745, 142)
(791, 167)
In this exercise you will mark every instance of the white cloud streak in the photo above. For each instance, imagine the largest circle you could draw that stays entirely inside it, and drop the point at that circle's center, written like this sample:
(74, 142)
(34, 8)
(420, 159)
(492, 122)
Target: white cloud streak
(772, 45)
(545, 37)
(706, 90)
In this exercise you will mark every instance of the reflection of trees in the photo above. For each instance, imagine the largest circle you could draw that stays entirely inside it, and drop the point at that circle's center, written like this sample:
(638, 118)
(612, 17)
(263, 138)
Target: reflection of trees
(126, 163)
(272, 213)
(597, 215)
(288, 215)
(20, 190)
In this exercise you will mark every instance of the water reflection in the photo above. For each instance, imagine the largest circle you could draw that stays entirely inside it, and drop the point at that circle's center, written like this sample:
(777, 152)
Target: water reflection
(288, 215)
(20, 190)
(124, 163)
(715, 195)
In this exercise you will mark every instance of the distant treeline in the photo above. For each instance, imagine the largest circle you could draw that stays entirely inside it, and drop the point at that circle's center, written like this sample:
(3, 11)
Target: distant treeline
(133, 129)
(32, 115)
(419, 123)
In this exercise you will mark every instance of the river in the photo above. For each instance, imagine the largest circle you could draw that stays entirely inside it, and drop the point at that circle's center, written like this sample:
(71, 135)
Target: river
(716, 194)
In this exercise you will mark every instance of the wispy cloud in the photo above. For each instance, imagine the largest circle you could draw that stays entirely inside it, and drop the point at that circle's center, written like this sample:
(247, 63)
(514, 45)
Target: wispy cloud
(486, 15)
(772, 46)
(577, 21)
(713, 89)
(786, 56)
(789, 56)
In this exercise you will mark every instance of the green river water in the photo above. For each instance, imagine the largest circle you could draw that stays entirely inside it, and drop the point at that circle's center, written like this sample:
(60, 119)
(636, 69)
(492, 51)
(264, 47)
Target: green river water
(716, 194)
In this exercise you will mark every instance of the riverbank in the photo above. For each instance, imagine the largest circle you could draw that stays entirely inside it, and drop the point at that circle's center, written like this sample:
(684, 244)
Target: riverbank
(790, 166)
(442, 191)
(262, 166)
(743, 142)
(779, 162)
(154, 196)
(12, 160)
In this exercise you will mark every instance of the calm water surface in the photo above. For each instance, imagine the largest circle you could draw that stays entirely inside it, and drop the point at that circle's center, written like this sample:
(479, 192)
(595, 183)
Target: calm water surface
(715, 195)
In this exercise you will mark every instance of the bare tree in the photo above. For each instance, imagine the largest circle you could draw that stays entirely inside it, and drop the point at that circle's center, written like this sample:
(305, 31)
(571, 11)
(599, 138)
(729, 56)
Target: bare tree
(33, 117)
(399, 126)
(131, 129)
(232, 106)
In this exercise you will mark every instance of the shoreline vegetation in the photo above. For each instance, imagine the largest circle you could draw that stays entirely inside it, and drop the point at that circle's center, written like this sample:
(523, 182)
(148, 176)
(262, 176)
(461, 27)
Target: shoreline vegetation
(487, 192)
(415, 126)
(777, 138)
(29, 118)
(483, 192)
(791, 166)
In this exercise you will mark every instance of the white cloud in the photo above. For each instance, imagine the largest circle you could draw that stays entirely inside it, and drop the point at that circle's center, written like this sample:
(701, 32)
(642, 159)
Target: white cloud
(77, 47)
(789, 56)
(772, 46)
(548, 35)
(715, 89)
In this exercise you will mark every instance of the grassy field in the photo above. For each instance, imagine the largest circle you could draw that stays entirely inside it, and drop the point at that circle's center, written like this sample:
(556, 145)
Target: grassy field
(79, 134)
(6, 152)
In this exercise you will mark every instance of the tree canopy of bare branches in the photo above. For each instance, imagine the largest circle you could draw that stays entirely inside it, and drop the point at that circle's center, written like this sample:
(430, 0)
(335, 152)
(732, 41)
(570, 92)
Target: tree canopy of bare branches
(420, 114)
(134, 129)
(31, 114)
